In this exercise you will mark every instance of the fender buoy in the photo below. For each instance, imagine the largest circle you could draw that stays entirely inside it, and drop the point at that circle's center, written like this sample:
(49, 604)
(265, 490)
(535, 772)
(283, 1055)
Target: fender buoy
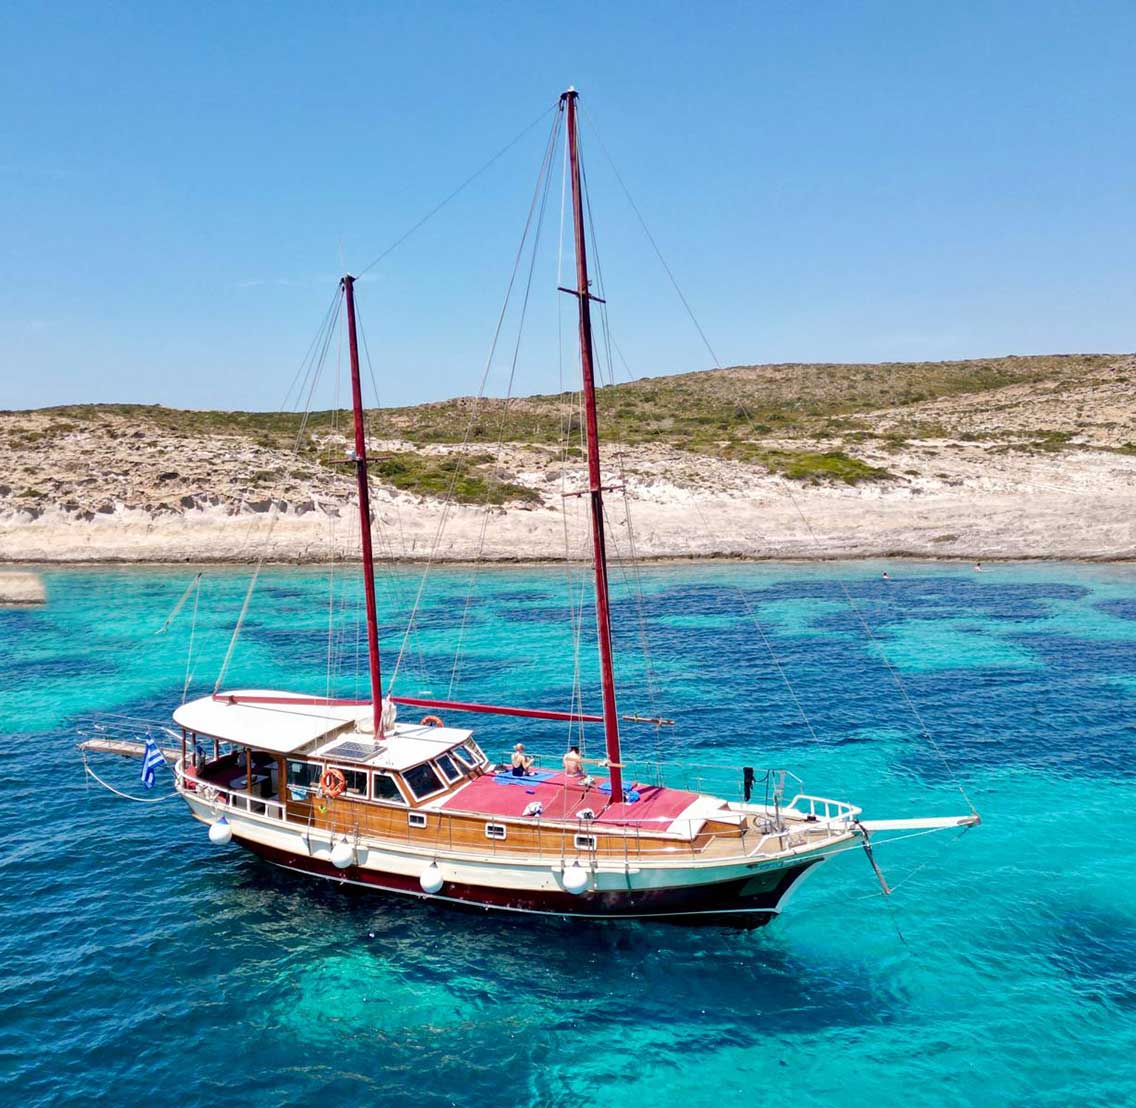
(332, 782)
(575, 879)
(433, 721)
(431, 879)
(342, 854)
(220, 832)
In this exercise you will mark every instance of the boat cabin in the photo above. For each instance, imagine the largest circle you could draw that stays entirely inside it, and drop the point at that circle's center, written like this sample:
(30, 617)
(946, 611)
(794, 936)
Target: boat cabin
(275, 755)
(279, 752)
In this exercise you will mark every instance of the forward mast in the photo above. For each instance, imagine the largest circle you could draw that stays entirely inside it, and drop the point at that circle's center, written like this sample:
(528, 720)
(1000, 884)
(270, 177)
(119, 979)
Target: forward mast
(359, 458)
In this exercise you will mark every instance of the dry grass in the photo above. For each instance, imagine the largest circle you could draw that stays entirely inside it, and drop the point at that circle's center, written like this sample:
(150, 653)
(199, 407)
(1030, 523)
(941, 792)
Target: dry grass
(793, 419)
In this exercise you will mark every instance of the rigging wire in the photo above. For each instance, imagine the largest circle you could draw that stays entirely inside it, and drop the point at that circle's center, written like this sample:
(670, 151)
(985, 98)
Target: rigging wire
(330, 526)
(189, 652)
(393, 584)
(302, 369)
(502, 429)
(461, 188)
(449, 500)
(310, 370)
(651, 238)
(316, 372)
(751, 611)
(312, 367)
(636, 589)
(575, 580)
(237, 629)
(179, 605)
(893, 672)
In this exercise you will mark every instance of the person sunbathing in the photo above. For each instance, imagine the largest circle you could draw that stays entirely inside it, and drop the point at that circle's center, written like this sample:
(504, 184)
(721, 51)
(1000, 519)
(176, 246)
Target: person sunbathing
(522, 762)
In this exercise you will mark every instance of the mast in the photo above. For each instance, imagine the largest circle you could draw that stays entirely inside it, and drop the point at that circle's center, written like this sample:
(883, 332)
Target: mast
(360, 460)
(595, 484)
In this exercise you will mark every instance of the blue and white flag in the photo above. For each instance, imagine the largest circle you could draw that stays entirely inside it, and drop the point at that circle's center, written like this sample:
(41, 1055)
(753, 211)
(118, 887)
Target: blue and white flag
(151, 759)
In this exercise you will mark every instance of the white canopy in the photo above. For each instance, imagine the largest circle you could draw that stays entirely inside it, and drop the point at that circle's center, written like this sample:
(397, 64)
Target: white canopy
(288, 728)
(280, 728)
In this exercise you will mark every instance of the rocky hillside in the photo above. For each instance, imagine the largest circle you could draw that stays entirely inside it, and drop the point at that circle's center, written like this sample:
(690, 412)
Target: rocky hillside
(748, 447)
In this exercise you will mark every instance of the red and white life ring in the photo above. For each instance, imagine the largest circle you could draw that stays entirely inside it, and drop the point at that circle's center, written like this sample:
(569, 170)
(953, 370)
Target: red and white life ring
(332, 782)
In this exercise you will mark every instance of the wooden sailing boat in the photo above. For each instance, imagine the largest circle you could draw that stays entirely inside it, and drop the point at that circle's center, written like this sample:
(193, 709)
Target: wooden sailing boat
(342, 789)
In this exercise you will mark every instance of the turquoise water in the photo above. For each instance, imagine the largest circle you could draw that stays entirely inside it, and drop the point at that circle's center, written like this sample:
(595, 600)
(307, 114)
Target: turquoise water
(140, 961)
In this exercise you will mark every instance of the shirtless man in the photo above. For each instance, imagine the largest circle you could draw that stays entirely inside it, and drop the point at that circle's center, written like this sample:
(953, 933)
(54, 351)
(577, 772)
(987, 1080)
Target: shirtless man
(574, 763)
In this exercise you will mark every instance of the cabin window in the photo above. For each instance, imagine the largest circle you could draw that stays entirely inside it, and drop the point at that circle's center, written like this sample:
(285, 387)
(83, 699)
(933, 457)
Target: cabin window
(465, 755)
(416, 819)
(585, 842)
(356, 782)
(384, 788)
(422, 780)
(303, 774)
(495, 831)
(446, 764)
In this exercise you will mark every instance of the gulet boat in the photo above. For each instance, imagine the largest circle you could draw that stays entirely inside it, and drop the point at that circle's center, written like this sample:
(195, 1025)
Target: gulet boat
(350, 791)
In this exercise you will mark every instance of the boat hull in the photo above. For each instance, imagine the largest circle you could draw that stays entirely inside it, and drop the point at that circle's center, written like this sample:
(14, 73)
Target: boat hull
(746, 902)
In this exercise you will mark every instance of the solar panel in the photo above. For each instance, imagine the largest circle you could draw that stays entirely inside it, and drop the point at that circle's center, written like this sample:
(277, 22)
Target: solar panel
(352, 751)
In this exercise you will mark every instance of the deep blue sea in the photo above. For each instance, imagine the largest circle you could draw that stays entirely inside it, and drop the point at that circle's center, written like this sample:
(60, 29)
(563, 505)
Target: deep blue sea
(142, 964)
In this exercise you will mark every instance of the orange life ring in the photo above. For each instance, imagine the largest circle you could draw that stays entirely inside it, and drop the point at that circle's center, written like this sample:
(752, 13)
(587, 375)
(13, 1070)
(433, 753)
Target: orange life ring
(332, 782)
(434, 721)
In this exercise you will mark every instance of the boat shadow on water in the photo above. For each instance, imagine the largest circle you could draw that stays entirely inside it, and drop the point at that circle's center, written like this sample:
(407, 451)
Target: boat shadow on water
(620, 972)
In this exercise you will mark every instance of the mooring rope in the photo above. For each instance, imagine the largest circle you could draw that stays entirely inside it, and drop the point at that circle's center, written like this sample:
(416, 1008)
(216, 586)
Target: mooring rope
(118, 792)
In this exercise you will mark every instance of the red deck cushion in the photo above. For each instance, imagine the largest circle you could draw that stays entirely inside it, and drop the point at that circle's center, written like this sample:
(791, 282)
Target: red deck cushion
(562, 797)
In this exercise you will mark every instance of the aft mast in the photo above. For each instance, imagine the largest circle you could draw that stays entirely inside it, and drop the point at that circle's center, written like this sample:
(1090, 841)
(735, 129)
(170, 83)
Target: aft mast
(595, 484)
(360, 461)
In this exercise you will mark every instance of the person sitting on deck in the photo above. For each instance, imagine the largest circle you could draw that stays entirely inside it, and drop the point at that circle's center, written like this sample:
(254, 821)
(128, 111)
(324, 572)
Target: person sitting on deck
(522, 762)
(574, 764)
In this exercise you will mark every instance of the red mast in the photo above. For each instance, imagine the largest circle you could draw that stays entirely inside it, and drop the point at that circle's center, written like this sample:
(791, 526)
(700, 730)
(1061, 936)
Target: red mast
(360, 460)
(595, 485)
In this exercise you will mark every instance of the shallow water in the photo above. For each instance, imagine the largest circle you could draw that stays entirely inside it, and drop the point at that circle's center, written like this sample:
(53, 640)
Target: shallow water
(142, 961)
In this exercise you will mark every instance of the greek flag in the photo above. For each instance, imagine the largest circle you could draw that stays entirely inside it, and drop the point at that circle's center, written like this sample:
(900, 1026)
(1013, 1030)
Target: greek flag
(151, 759)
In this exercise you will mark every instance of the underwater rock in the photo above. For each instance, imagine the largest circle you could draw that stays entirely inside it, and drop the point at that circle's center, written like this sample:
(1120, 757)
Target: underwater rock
(21, 589)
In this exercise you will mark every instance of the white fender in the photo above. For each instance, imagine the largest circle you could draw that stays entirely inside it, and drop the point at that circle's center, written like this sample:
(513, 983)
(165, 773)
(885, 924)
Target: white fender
(575, 879)
(431, 879)
(220, 832)
(342, 854)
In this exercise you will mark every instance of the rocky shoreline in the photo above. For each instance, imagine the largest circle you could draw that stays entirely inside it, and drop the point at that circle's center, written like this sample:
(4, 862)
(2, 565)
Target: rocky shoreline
(1044, 469)
(1081, 505)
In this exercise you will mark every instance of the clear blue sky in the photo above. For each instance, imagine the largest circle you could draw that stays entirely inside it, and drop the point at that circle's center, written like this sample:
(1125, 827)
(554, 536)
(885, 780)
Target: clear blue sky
(829, 181)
